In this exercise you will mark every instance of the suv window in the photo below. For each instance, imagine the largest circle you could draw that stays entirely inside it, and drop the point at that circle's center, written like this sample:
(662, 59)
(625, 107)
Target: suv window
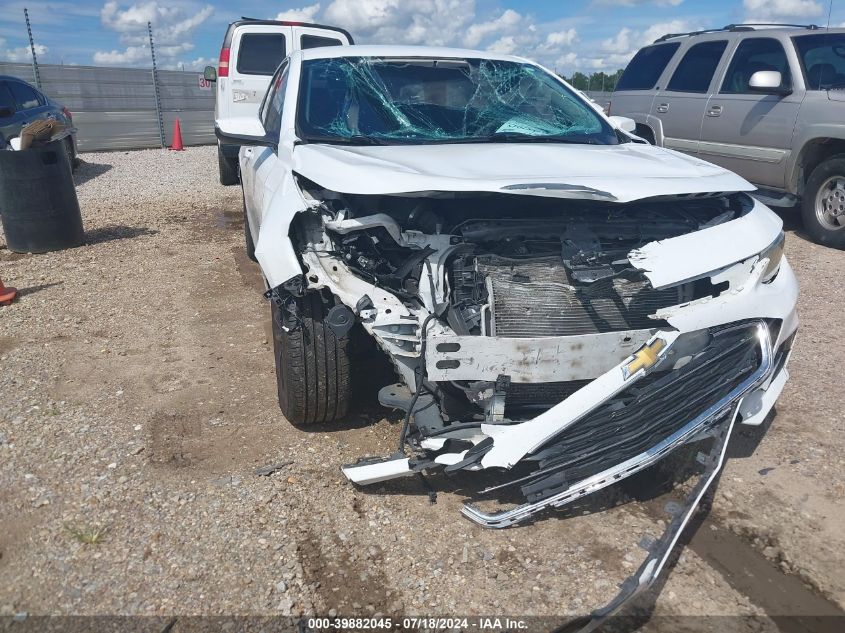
(696, 69)
(645, 68)
(260, 53)
(6, 100)
(315, 41)
(25, 96)
(752, 55)
(823, 60)
(271, 115)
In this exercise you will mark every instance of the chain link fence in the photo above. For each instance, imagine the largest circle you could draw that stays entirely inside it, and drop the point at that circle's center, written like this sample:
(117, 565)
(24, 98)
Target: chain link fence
(115, 108)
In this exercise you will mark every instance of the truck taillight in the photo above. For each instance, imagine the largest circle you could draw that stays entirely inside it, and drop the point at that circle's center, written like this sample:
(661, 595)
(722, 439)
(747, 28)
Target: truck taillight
(223, 65)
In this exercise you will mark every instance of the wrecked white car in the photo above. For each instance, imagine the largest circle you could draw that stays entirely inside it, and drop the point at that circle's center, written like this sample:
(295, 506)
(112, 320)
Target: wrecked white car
(553, 293)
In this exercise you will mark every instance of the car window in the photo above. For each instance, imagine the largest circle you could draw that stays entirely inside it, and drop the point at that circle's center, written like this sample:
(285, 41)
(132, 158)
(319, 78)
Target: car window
(696, 69)
(315, 41)
(260, 53)
(645, 68)
(752, 55)
(25, 96)
(271, 116)
(822, 59)
(6, 99)
(361, 100)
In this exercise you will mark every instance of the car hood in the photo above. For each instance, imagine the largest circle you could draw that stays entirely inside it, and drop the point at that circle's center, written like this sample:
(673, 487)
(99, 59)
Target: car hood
(615, 173)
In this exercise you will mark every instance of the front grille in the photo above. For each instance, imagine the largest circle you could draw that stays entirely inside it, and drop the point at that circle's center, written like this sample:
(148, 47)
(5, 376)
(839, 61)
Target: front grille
(534, 298)
(649, 411)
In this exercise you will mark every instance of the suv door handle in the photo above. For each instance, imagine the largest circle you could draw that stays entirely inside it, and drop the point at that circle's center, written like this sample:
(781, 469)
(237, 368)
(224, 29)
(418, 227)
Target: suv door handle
(663, 107)
(714, 110)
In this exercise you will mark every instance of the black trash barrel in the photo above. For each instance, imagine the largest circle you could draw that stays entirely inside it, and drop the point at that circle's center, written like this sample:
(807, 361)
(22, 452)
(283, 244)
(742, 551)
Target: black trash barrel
(38, 204)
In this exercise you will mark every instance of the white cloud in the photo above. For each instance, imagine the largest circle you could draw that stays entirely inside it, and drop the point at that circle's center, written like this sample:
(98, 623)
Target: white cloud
(21, 54)
(778, 9)
(561, 38)
(617, 51)
(639, 3)
(504, 23)
(303, 14)
(173, 27)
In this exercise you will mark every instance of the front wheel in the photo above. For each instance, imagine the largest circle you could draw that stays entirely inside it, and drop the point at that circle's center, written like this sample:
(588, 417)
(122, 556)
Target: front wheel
(312, 364)
(823, 205)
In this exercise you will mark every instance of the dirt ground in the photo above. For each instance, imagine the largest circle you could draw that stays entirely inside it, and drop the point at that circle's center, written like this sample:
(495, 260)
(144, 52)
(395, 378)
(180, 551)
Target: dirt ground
(137, 398)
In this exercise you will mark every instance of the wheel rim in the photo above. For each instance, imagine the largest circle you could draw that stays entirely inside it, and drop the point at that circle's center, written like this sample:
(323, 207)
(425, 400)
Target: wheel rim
(830, 203)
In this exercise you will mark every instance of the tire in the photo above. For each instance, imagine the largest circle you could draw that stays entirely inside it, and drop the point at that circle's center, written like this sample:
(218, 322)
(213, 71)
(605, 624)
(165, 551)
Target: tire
(312, 366)
(645, 133)
(824, 195)
(250, 244)
(70, 150)
(228, 169)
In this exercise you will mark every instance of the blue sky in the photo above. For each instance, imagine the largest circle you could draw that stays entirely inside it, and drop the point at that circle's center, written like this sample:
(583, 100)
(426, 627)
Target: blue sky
(584, 35)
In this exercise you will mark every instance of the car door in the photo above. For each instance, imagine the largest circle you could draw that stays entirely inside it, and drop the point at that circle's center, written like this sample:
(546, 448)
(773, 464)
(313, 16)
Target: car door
(10, 121)
(256, 52)
(257, 162)
(680, 106)
(746, 131)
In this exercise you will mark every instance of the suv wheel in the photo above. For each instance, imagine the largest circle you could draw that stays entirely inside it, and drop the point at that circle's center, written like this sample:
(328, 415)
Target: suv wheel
(228, 168)
(312, 365)
(823, 207)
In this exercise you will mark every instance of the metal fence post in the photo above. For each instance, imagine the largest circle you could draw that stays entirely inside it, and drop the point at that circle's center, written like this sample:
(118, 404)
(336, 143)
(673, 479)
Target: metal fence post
(155, 87)
(32, 50)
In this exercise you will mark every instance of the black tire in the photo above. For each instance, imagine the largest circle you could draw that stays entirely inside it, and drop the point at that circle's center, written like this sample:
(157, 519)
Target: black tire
(70, 150)
(646, 133)
(250, 244)
(312, 366)
(821, 228)
(228, 168)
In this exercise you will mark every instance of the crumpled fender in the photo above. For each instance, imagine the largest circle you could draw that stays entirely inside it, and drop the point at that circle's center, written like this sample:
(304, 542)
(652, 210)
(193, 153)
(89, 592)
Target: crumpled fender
(274, 249)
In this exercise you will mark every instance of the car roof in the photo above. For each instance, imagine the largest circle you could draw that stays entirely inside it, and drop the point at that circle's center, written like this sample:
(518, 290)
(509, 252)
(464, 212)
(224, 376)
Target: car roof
(741, 30)
(383, 50)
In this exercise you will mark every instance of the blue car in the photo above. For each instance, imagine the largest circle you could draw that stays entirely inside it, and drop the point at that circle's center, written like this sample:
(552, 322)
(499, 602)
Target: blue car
(21, 104)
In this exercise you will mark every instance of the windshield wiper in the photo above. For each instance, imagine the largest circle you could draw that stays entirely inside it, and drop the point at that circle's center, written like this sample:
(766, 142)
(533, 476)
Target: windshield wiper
(513, 137)
(357, 139)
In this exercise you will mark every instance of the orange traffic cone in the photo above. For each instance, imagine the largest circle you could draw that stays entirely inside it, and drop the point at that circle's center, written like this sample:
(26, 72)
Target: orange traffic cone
(177, 137)
(7, 294)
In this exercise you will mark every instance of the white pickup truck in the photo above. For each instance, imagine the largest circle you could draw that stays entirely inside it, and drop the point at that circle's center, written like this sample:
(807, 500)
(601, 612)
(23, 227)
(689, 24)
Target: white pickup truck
(251, 52)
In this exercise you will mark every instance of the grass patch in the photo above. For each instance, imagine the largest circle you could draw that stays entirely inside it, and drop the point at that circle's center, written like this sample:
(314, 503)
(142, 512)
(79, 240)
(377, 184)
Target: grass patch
(87, 534)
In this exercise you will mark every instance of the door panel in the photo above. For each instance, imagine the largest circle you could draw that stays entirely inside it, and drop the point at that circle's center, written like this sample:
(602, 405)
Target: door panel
(256, 52)
(680, 107)
(747, 132)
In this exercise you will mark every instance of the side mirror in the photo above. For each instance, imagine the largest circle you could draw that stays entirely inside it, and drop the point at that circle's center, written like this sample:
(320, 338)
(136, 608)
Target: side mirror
(245, 131)
(5, 113)
(768, 81)
(210, 73)
(624, 123)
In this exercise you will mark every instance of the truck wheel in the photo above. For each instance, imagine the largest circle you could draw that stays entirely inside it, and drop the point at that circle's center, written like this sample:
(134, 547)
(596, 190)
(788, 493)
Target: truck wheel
(823, 206)
(250, 244)
(312, 365)
(228, 168)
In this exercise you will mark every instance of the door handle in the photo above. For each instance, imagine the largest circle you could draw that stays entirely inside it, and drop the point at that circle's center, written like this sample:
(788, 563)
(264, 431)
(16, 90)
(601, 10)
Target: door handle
(663, 107)
(714, 110)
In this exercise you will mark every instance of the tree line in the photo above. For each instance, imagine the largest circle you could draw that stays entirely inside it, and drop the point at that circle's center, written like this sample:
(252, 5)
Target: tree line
(595, 81)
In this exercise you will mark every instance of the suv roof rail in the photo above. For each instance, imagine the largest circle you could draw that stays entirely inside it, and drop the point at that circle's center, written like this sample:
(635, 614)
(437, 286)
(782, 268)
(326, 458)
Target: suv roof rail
(749, 26)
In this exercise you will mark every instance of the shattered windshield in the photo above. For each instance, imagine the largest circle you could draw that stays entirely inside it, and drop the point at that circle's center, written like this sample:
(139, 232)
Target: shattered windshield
(367, 100)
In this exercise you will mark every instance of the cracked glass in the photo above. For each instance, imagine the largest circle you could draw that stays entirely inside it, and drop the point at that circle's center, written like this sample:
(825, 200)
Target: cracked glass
(367, 100)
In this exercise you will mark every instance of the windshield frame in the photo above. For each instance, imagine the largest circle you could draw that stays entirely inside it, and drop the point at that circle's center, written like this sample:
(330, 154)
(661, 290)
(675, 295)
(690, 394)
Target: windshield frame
(607, 130)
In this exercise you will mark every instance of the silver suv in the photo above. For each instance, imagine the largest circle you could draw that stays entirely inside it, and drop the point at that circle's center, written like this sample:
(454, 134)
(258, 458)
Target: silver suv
(767, 103)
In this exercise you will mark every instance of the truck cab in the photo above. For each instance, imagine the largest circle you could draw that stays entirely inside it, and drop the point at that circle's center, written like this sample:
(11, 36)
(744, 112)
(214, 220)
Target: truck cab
(251, 52)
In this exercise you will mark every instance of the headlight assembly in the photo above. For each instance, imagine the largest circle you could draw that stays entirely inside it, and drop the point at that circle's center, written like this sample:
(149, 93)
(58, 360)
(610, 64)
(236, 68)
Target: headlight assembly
(774, 253)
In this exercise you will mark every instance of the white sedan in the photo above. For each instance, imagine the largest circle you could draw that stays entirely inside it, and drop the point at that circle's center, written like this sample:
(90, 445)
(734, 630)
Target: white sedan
(552, 292)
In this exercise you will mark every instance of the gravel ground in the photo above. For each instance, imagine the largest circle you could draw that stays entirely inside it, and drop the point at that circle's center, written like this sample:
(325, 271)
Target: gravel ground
(137, 397)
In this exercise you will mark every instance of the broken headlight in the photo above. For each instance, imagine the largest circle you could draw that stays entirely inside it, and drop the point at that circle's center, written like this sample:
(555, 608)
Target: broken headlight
(774, 253)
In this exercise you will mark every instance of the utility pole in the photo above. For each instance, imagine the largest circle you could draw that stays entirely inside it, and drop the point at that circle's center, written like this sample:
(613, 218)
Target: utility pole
(155, 87)
(32, 50)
